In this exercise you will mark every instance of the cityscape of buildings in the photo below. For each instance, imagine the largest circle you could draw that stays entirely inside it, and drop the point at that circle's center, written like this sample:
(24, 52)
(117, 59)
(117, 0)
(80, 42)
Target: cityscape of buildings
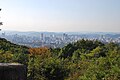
(54, 40)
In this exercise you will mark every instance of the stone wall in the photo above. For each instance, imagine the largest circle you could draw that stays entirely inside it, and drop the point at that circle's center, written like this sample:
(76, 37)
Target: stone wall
(12, 71)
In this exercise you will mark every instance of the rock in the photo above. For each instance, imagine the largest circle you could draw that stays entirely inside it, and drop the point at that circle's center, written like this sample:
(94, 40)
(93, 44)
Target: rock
(12, 71)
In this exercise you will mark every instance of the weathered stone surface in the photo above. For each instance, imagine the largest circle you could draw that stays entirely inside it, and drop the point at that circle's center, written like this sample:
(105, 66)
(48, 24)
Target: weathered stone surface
(12, 71)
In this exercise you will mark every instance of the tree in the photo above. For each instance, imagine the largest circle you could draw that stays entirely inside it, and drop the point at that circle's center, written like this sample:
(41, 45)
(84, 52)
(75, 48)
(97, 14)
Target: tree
(67, 51)
(76, 55)
(53, 69)
(36, 57)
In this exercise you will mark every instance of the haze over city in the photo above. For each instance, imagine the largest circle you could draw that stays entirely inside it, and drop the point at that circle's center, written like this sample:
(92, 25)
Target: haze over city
(61, 15)
(59, 39)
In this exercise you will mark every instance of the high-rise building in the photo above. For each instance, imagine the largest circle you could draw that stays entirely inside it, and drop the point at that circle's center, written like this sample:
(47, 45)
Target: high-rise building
(65, 36)
(42, 36)
(42, 39)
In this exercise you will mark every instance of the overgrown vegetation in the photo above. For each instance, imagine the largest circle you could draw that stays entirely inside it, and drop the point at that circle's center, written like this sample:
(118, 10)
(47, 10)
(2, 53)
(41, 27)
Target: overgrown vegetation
(81, 60)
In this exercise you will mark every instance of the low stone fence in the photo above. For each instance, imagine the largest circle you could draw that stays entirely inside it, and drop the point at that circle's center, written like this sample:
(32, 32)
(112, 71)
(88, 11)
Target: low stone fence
(12, 71)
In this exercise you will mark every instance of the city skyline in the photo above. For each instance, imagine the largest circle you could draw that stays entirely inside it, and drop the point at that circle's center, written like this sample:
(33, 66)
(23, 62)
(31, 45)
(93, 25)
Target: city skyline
(61, 15)
(52, 39)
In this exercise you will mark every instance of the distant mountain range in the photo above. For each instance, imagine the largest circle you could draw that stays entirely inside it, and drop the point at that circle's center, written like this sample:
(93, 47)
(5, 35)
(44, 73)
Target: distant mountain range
(70, 33)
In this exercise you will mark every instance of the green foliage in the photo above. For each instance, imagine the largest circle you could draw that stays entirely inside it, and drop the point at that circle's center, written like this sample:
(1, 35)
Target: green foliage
(20, 58)
(87, 45)
(10, 52)
(76, 55)
(47, 69)
(53, 69)
(81, 60)
(14, 48)
(67, 51)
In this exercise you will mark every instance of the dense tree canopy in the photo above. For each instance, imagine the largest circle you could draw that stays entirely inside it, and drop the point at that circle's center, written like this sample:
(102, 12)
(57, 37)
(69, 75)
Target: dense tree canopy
(81, 60)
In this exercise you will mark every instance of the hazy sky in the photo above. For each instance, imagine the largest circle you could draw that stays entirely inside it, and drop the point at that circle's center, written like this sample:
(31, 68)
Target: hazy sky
(61, 15)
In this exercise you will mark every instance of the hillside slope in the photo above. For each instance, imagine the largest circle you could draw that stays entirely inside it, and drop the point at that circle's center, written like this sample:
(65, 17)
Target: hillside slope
(14, 48)
(10, 52)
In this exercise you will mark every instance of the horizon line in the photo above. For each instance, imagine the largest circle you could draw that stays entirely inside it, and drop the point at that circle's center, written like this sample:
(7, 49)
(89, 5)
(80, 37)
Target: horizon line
(62, 31)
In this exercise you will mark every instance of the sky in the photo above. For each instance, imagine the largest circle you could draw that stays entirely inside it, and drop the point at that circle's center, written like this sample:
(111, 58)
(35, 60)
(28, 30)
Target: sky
(60, 15)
